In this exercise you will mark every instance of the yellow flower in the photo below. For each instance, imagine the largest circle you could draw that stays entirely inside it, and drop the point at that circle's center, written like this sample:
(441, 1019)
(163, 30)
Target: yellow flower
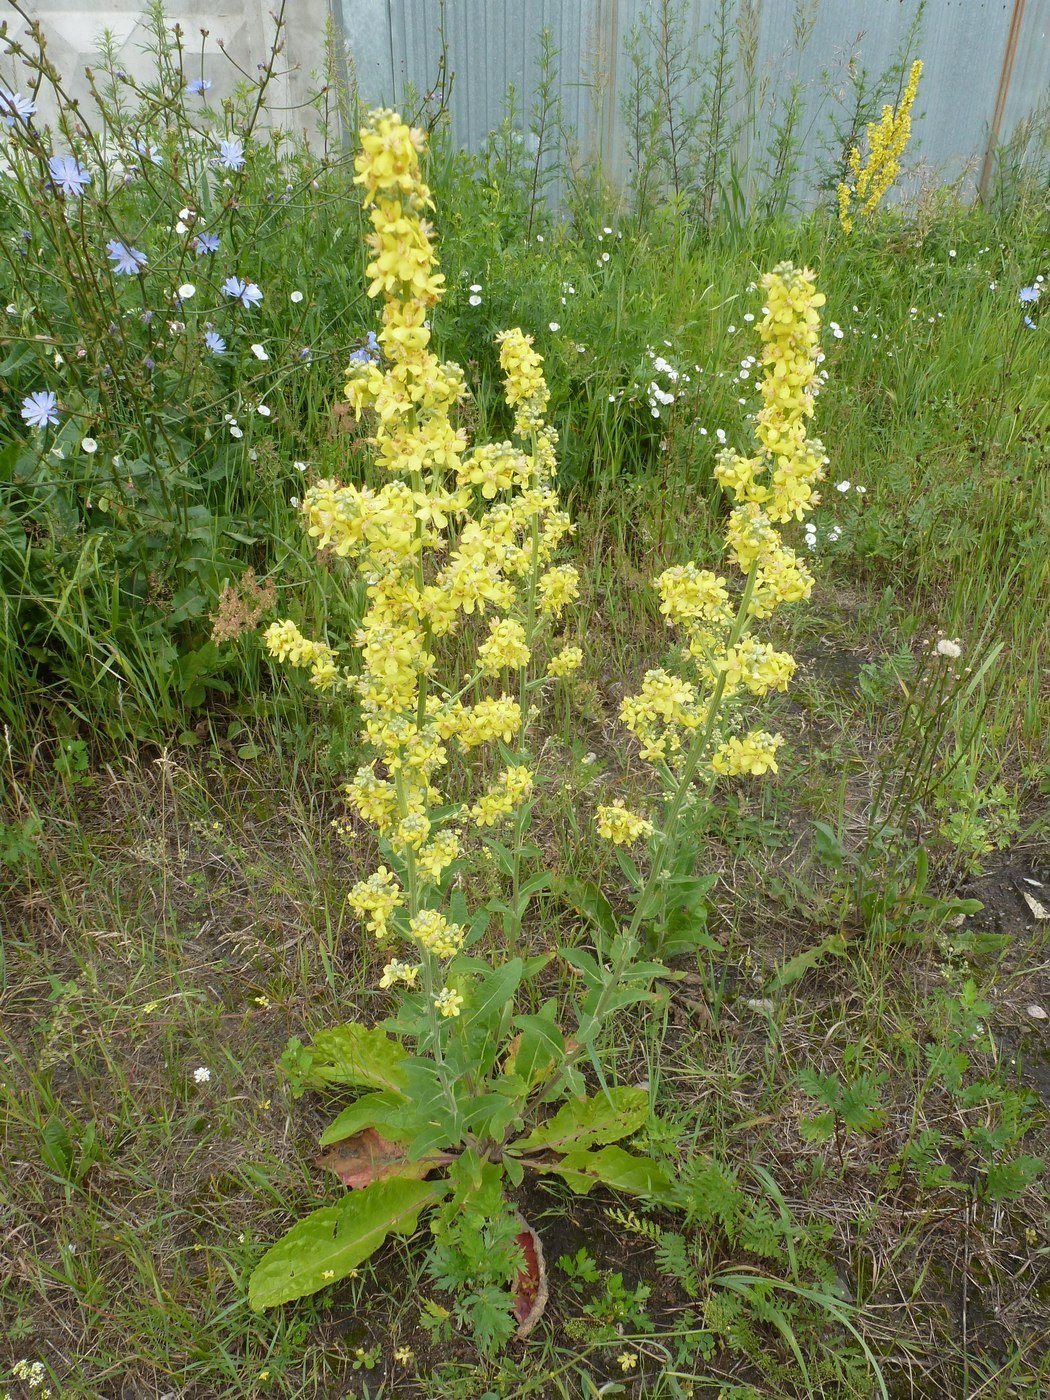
(620, 826)
(396, 972)
(404, 1356)
(754, 754)
(628, 1361)
(448, 1002)
(510, 789)
(376, 899)
(433, 932)
(565, 662)
(887, 139)
(505, 648)
(558, 586)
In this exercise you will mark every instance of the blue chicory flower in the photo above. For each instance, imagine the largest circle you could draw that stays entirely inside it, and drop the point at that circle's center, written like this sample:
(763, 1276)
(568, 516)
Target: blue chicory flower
(14, 107)
(1030, 323)
(40, 409)
(247, 293)
(1027, 295)
(198, 86)
(146, 151)
(127, 261)
(215, 343)
(68, 175)
(206, 243)
(231, 153)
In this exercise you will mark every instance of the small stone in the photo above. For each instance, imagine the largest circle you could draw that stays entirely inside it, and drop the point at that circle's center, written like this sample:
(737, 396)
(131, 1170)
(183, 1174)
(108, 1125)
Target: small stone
(1037, 1013)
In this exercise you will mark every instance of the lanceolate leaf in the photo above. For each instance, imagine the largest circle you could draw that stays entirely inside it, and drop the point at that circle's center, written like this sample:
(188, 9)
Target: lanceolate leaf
(353, 1054)
(588, 1122)
(330, 1242)
(638, 1176)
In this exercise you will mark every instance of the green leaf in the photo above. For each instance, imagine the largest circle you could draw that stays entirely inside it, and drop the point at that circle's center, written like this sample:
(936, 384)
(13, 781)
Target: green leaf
(637, 1176)
(331, 1241)
(56, 1149)
(832, 946)
(587, 1122)
(828, 847)
(350, 1054)
(370, 1111)
(540, 1046)
(587, 899)
(495, 993)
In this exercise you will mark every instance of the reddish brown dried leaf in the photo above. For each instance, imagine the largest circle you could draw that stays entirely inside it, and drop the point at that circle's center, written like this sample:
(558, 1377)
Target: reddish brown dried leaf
(530, 1287)
(368, 1156)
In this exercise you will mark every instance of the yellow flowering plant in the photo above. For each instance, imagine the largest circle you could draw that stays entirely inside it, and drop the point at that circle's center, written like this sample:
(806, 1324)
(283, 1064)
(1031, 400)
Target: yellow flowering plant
(454, 548)
(688, 727)
(870, 179)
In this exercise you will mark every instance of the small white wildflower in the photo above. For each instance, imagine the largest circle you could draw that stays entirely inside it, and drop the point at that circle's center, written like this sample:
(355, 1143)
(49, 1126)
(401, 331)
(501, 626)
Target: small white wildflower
(749, 316)
(720, 434)
(474, 300)
(263, 409)
(296, 297)
(186, 291)
(842, 486)
(299, 466)
(202, 1075)
(555, 326)
(731, 330)
(259, 352)
(948, 647)
(89, 445)
(236, 432)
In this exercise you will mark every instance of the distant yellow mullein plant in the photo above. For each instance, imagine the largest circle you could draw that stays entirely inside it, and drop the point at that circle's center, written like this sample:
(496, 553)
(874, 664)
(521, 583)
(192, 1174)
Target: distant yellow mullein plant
(887, 138)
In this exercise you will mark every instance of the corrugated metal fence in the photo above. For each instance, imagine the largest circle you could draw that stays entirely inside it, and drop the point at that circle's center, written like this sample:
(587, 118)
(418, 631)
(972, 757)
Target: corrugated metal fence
(987, 63)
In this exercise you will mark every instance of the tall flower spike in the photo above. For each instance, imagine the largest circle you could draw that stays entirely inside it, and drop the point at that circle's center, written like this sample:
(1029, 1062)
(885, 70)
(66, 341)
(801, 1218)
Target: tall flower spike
(450, 534)
(868, 183)
(682, 726)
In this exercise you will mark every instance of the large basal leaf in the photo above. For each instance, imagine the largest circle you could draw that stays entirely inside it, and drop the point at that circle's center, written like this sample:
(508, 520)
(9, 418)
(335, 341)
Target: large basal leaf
(580, 1123)
(379, 1110)
(612, 1166)
(353, 1054)
(331, 1241)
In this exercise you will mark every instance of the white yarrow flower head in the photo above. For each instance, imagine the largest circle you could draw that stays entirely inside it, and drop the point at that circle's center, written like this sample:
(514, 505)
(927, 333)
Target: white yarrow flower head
(949, 647)
(202, 1075)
